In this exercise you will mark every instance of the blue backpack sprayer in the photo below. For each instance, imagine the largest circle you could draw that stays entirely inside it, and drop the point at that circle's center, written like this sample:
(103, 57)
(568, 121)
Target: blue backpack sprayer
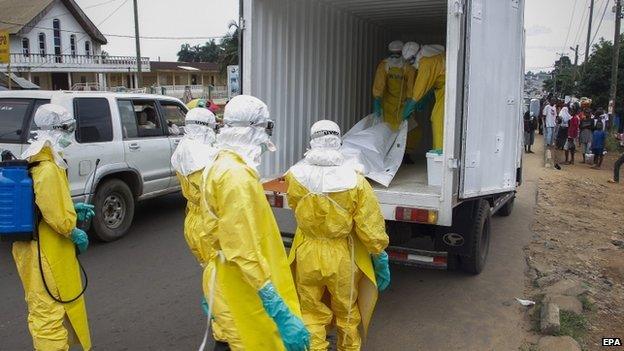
(19, 215)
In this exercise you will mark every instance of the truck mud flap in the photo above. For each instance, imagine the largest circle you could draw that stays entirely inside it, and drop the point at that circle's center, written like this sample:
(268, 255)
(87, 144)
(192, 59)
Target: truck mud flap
(455, 239)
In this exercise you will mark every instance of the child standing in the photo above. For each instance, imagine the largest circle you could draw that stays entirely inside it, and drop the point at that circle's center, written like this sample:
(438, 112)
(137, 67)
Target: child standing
(598, 143)
(573, 134)
(585, 137)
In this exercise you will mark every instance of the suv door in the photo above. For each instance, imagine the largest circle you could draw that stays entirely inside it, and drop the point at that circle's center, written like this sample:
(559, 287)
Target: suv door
(174, 113)
(146, 145)
(94, 139)
(16, 122)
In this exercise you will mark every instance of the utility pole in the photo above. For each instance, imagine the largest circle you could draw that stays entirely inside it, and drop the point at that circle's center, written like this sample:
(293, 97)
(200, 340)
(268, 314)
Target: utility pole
(616, 53)
(138, 45)
(576, 54)
(589, 29)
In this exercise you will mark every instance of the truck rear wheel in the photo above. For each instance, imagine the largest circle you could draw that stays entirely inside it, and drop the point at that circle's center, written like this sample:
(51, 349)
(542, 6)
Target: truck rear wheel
(480, 236)
(114, 210)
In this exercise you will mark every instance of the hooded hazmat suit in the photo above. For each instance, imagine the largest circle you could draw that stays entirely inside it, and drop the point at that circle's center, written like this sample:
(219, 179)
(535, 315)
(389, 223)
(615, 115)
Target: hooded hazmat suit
(52, 325)
(430, 62)
(339, 226)
(393, 84)
(251, 266)
(195, 152)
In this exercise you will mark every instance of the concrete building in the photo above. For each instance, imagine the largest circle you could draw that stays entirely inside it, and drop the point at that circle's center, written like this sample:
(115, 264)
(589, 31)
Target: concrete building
(54, 45)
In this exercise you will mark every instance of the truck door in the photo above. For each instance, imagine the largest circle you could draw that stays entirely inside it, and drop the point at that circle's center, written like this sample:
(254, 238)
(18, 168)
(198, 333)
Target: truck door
(494, 67)
(146, 144)
(174, 114)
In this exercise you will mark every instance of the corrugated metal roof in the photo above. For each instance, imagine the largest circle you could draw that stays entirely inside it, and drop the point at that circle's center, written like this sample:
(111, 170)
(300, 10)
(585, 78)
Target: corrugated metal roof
(19, 15)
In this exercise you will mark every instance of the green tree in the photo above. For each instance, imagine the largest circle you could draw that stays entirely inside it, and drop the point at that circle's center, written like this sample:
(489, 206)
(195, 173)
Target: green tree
(208, 52)
(229, 47)
(563, 77)
(595, 81)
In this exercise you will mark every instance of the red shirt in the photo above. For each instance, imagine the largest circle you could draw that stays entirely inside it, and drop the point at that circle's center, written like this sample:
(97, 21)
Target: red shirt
(574, 126)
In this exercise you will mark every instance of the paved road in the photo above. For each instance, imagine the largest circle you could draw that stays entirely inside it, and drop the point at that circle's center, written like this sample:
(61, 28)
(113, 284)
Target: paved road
(144, 291)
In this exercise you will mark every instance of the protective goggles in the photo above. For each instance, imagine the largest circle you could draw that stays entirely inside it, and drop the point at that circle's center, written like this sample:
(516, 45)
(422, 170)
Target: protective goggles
(201, 123)
(268, 125)
(322, 133)
(68, 127)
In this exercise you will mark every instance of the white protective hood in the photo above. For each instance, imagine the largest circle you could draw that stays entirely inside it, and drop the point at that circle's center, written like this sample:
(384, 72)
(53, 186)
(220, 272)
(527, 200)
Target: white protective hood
(246, 119)
(49, 118)
(196, 151)
(323, 170)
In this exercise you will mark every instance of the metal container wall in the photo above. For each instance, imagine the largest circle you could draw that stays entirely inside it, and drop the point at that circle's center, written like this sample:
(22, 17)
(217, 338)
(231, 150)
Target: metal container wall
(308, 61)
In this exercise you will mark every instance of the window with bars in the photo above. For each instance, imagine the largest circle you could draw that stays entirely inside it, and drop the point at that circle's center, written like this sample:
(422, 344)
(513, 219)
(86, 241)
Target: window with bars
(42, 44)
(72, 44)
(56, 28)
(26, 47)
(88, 48)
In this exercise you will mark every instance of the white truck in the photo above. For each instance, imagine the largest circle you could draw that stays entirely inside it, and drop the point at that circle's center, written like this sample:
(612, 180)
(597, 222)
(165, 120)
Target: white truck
(132, 136)
(315, 59)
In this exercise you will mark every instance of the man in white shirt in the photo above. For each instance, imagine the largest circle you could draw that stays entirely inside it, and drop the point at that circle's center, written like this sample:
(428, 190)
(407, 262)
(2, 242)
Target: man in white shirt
(550, 121)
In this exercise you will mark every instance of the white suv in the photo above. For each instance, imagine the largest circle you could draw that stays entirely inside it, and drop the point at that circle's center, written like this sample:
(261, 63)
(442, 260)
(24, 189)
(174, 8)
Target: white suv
(133, 136)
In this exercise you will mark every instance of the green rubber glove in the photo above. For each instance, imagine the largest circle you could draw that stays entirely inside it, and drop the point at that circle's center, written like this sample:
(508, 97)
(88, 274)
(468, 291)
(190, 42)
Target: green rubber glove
(84, 211)
(382, 270)
(377, 107)
(410, 107)
(80, 239)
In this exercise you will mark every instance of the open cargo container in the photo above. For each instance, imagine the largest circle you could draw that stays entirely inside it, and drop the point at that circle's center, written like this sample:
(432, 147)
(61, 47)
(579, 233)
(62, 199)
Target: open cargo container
(315, 59)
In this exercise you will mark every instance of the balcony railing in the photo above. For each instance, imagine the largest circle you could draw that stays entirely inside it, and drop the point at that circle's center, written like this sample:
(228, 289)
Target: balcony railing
(37, 61)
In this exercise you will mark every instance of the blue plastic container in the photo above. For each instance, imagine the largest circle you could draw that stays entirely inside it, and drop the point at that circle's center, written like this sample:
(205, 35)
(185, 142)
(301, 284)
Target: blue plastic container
(17, 207)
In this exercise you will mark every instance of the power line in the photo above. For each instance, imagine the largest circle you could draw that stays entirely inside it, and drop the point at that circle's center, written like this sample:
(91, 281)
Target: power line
(121, 35)
(599, 24)
(565, 44)
(579, 30)
(87, 7)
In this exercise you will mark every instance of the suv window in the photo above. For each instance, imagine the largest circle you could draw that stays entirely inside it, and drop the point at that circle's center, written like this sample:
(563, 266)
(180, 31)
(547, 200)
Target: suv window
(93, 120)
(15, 114)
(139, 118)
(175, 114)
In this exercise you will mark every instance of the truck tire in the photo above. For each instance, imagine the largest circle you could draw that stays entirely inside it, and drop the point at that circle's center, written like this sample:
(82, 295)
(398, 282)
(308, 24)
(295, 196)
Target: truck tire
(507, 208)
(114, 210)
(480, 236)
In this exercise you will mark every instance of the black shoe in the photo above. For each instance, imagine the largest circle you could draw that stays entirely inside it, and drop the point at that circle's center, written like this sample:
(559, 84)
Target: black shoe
(557, 167)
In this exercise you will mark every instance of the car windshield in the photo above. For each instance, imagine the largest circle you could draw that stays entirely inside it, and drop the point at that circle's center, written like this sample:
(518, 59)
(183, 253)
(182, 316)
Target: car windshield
(13, 115)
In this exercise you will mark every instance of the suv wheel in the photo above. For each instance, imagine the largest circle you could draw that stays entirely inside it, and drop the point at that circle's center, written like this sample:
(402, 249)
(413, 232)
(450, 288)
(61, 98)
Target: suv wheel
(114, 205)
(480, 236)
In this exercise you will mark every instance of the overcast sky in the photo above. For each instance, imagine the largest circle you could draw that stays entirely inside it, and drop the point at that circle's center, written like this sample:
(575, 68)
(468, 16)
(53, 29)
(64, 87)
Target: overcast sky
(548, 24)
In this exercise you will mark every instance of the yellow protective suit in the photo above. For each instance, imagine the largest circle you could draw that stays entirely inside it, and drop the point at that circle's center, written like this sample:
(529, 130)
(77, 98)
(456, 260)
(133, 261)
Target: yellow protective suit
(251, 252)
(202, 247)
(432, 75)
(393, 84)
(336, 234)
(53, 326)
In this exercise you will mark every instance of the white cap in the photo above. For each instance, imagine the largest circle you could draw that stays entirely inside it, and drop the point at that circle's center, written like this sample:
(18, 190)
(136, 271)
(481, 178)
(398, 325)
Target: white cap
(324, 128)
(395, 46)
(410, 49)
(245, 111)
